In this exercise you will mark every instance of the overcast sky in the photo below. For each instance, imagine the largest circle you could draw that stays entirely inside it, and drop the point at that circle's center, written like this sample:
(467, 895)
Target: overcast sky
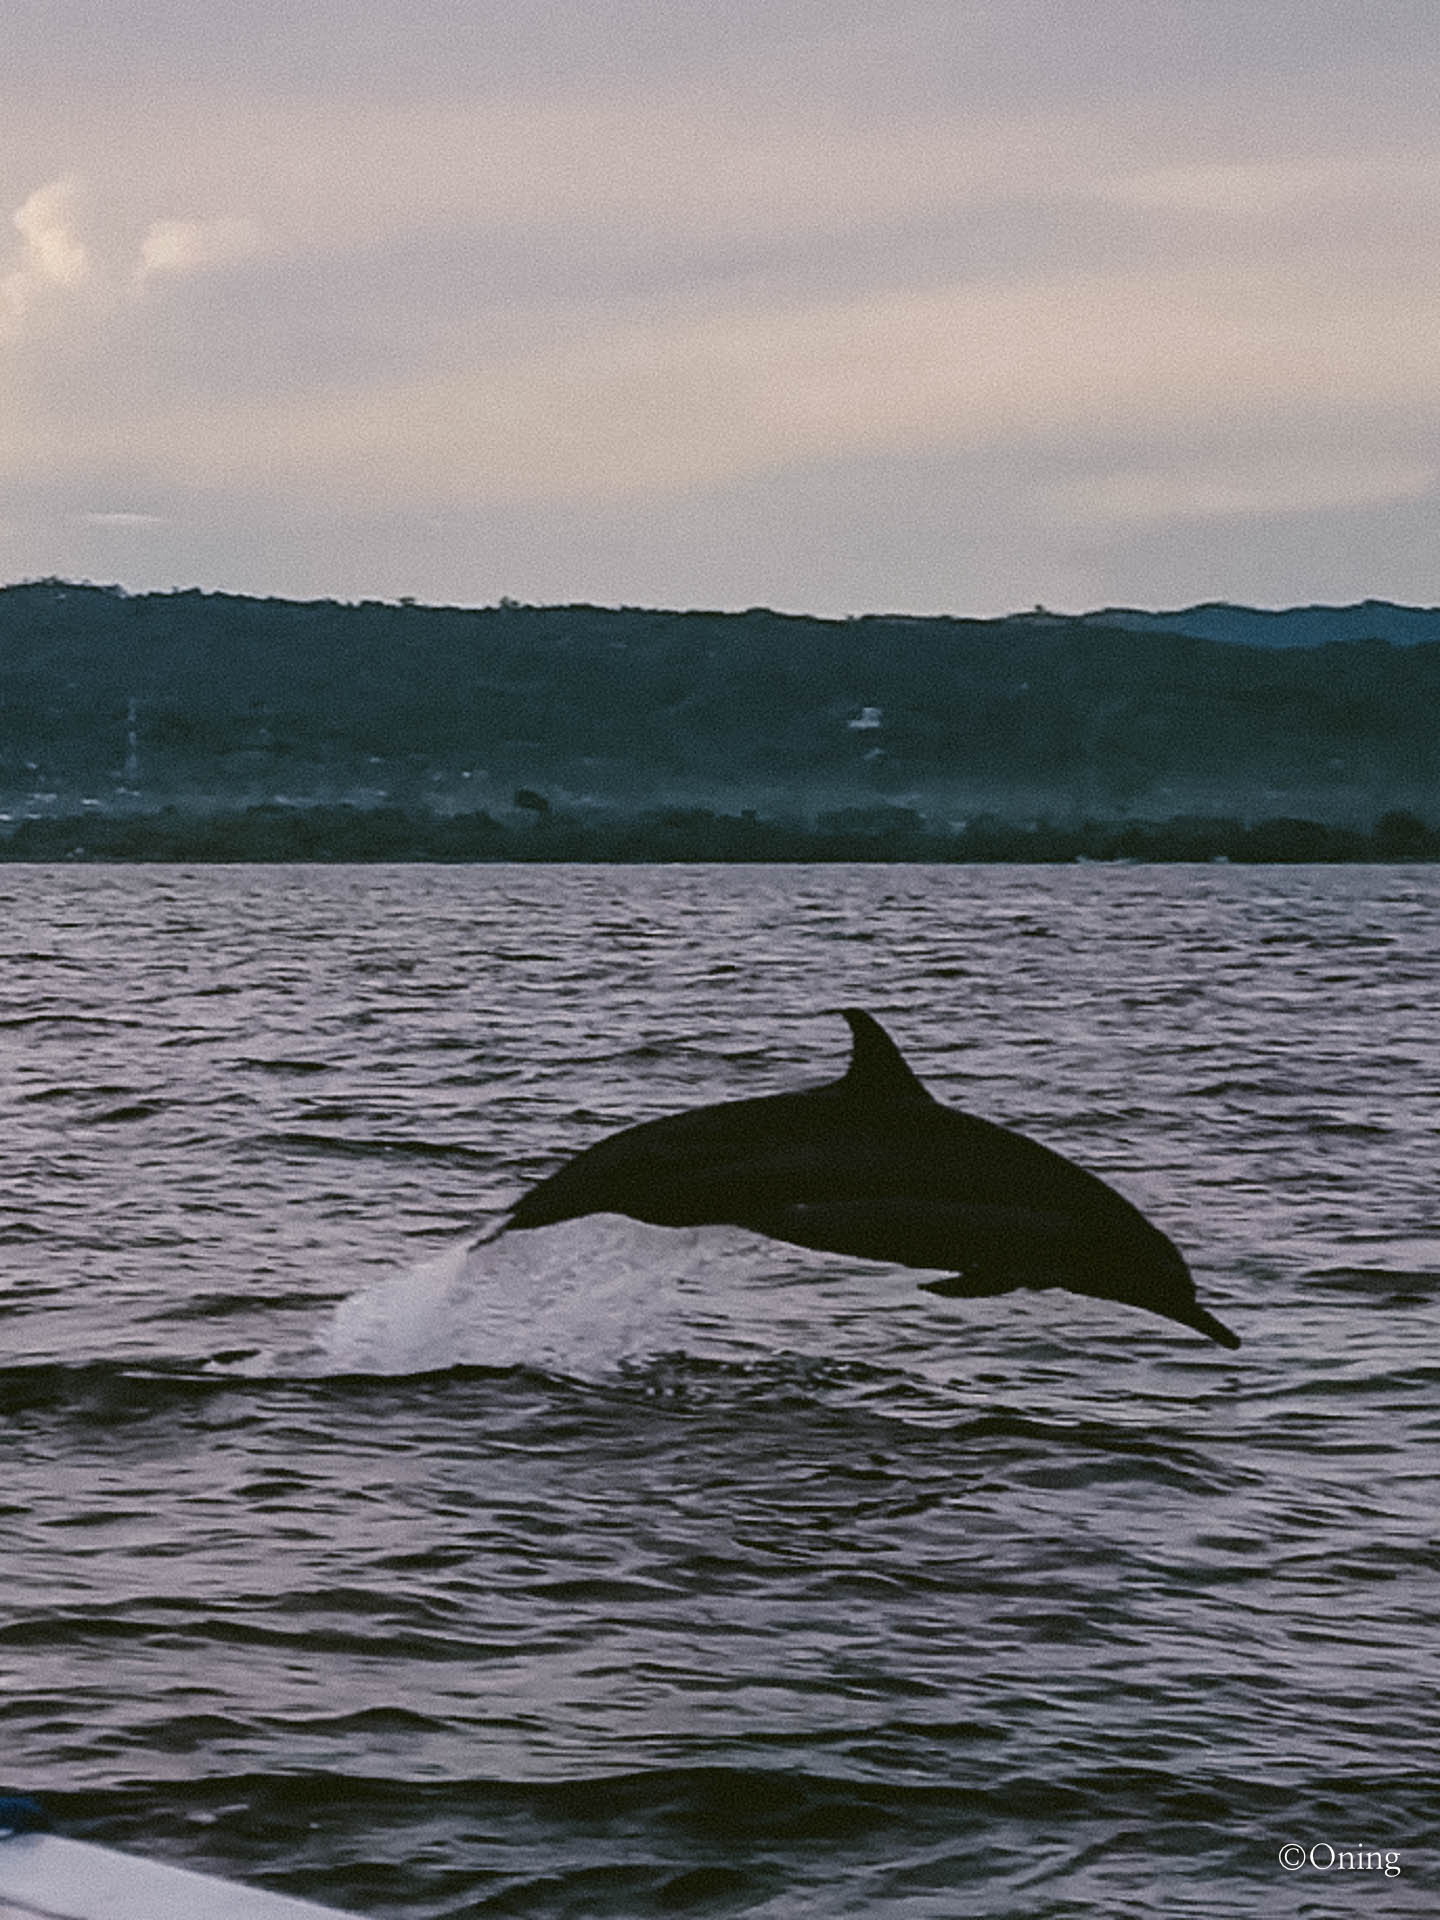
(820, 304)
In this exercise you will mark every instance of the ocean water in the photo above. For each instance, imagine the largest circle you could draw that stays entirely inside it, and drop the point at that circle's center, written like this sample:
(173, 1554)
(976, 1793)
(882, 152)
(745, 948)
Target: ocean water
(607, 1570)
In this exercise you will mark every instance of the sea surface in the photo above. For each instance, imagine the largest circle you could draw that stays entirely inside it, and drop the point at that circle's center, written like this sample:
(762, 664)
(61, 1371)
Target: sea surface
(614, 1571)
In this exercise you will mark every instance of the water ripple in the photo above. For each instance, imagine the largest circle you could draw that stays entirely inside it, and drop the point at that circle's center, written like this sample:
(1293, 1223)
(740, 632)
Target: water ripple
(606, 1570)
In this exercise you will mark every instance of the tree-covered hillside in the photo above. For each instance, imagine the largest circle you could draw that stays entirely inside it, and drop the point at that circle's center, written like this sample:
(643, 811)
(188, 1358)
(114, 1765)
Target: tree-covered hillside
(223, 699)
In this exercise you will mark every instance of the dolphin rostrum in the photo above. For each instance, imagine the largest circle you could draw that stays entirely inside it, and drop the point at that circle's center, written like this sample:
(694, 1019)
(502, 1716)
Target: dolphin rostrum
(872, 1164)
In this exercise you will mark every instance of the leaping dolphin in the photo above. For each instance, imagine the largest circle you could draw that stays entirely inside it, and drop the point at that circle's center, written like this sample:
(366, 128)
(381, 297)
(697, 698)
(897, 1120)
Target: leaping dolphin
(872, 1164)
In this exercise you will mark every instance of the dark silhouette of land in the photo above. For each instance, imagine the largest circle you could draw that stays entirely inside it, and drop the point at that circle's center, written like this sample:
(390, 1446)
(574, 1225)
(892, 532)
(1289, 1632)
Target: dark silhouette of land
(283, 729)
(270, 833)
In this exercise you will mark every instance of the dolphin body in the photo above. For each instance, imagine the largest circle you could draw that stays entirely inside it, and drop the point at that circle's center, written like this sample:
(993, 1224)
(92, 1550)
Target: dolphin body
(872, 1164)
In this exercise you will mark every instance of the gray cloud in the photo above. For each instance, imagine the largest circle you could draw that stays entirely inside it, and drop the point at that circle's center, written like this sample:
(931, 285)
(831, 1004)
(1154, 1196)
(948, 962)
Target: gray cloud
(963, 304)
(963, 53)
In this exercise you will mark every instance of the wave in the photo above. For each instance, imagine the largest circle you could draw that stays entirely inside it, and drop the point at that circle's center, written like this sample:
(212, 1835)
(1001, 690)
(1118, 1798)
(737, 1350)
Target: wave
(1370, 1287)
(288, 1067)
(128, 1111)
(772, 1840)
(343, 1147)
(914, 1437)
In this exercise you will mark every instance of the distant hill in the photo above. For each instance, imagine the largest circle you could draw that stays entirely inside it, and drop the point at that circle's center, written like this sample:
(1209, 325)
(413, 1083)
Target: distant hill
(1287, 627)
(117, 702)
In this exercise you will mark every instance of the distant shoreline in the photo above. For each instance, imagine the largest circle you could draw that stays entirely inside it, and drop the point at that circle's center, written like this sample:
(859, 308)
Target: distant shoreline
(266, 835)
(648, 735)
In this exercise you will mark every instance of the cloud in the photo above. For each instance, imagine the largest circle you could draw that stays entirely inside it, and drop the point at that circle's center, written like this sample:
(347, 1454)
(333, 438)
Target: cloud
(670, 401)
(1371, 189)
(610, 296)
(1240, 488)
(55, 261)
(52, 256)
(339, 173)
(52, 250)
(190, 246)
(666, 181)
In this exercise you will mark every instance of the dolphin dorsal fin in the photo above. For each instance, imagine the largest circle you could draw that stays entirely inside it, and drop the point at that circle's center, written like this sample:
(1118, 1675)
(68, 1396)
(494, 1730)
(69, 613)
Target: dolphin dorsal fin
(877, 1069)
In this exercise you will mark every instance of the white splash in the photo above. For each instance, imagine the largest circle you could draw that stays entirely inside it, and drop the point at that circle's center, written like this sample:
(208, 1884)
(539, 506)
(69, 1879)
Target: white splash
(580, 1298)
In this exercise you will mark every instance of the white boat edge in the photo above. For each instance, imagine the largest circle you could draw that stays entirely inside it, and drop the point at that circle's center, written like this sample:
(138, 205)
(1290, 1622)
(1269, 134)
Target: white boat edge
(46, 1875)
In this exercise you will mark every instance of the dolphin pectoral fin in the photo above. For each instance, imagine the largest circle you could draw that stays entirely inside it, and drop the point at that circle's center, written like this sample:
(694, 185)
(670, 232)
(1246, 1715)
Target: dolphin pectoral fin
(997, 1247)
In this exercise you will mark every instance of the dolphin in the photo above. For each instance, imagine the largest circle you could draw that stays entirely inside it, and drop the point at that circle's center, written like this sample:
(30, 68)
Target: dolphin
(872, 1164)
